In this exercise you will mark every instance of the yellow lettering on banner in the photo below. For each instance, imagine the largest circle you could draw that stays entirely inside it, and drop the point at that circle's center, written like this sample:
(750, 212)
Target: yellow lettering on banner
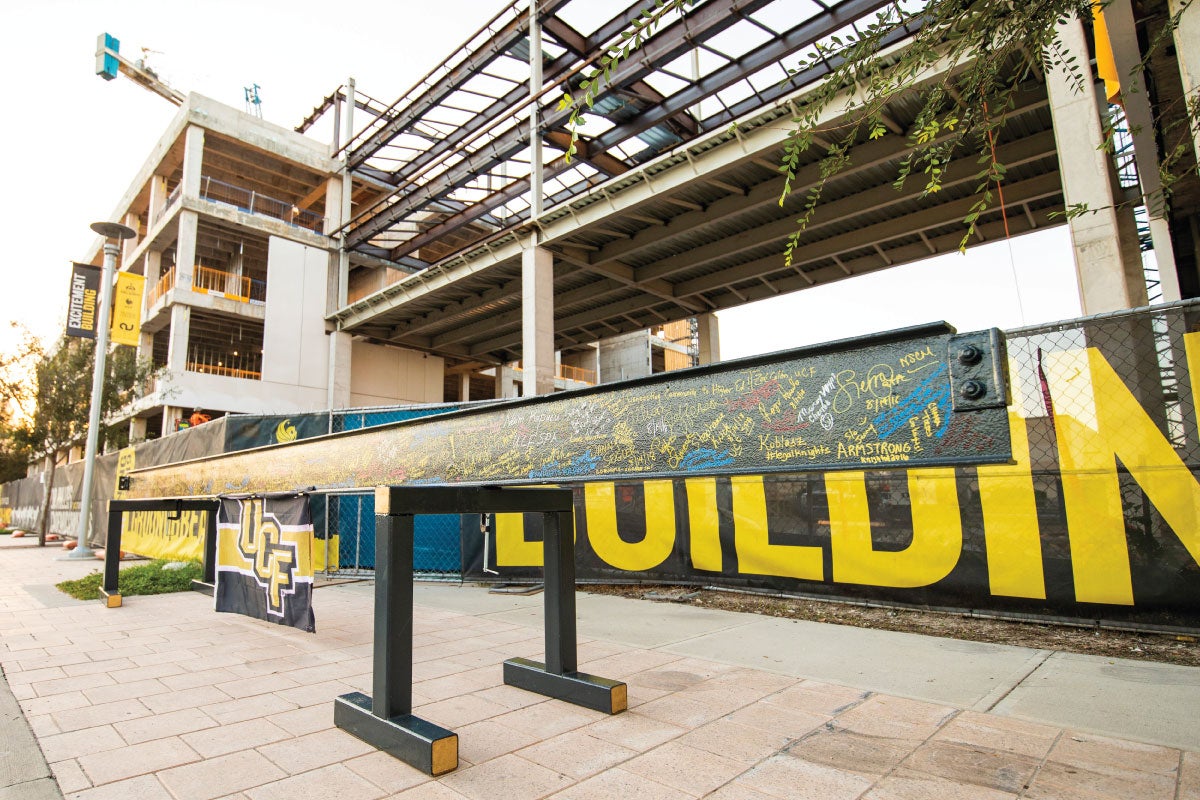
(512, 550)
(936, 531)
(126, 462)
(1191, 349)
(756, 555)
(600, 505)
(704, 524)
(325, 553)
(1098, 420)
(150, 533)
(1010, 523)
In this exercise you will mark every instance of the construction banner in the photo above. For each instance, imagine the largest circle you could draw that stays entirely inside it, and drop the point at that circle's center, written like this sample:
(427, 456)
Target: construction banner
(127, 309)
(264, 559)
(161, 534)
(84, 301)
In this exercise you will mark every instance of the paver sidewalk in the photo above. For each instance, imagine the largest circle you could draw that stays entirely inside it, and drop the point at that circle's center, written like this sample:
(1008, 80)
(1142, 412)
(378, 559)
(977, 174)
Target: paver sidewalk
(164, 698)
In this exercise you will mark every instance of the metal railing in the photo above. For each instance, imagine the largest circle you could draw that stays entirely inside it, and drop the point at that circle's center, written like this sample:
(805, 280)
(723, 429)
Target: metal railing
(254, 203)
(578, 374)
(224, 371)
(233, 287)
(566, 372)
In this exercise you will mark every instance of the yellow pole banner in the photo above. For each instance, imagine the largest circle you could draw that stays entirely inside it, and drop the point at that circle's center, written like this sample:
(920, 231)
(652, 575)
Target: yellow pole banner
(127, 309)
(1106, 64)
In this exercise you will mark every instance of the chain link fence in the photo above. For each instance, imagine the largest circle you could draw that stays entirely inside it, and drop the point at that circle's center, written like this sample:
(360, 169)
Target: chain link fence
(349, 519)
(1078, 368)
(350, 538)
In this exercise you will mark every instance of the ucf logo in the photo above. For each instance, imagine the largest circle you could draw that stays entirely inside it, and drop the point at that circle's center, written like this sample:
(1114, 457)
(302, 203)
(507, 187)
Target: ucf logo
(260, 541)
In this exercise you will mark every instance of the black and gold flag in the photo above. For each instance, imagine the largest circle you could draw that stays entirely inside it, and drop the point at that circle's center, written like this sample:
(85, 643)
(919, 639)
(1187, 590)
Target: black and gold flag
(264, 559)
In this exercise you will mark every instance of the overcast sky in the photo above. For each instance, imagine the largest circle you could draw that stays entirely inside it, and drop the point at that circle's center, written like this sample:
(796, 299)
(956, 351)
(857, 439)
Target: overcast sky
(72, 142)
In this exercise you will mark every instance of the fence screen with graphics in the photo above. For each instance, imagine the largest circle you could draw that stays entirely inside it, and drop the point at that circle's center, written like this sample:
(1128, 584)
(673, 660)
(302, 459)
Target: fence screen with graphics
(1097, 517)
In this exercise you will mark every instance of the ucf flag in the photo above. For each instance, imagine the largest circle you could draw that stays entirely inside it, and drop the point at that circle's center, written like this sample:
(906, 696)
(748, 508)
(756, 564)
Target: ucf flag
(264, 559)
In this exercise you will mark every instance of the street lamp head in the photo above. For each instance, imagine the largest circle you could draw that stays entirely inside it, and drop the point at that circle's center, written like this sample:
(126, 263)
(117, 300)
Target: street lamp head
(113, 230)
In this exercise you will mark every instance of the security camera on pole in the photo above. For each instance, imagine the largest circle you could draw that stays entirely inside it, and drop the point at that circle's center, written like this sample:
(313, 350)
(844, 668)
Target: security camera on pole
(113, 233)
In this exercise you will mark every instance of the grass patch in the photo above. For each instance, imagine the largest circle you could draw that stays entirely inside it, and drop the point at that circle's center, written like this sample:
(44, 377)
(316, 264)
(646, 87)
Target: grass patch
(148, 578)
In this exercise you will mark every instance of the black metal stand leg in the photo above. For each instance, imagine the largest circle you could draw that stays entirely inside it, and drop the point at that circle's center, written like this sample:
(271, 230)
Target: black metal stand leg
(386, 720)
(208, 584)
(109, 593)
(559, 676)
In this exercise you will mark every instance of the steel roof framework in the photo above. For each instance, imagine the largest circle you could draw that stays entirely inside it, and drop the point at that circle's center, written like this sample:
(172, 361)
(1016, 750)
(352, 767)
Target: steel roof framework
(451, 160)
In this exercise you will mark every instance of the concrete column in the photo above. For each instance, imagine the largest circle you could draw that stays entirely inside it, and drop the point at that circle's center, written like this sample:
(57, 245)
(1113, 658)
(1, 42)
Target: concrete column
(1187, 51)
(537, 321)
(152, 268)
(181, 322)
(193, 161)
(170, 414)
(340, 354)
(185, 249)
(158, 198)
(1107, 258)
(237, 268)
(129, 245)
(709, 333)
(333, 205)
(504, 382)
(464, 387)
(1127, 55)
(137, 430)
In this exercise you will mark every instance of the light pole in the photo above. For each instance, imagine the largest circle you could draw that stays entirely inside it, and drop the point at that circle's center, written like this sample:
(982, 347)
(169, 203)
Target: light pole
(113, 232)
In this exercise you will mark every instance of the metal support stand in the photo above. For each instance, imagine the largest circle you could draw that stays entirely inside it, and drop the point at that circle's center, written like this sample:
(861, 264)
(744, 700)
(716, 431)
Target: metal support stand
(558, 677)
(208, 583)
(109, 593)
(386, 720)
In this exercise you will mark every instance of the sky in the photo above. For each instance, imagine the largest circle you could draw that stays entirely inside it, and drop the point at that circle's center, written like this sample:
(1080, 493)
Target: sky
(72, 142)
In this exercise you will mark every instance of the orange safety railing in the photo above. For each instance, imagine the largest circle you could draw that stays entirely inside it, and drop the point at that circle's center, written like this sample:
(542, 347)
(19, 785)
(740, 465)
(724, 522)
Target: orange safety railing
(228, 372)
(207, 280)
(165, 284)
(567, 372)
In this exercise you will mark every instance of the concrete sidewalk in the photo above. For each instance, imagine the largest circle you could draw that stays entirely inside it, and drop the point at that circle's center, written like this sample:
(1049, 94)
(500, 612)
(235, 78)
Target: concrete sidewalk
(165, 699)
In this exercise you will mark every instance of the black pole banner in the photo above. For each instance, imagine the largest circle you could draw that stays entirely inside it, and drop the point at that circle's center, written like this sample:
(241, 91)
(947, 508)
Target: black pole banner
(84, 301)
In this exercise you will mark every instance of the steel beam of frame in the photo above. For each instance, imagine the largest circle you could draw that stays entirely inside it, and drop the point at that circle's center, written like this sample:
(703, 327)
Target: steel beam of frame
(1015, 194)
(963, 171)
(628, 276)
(457, 309)
(517, 95)
(508, 36)
(511, 292)
(620, 307)
(673, 41)
(771, 52)
(766, 194)
(672, 107)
